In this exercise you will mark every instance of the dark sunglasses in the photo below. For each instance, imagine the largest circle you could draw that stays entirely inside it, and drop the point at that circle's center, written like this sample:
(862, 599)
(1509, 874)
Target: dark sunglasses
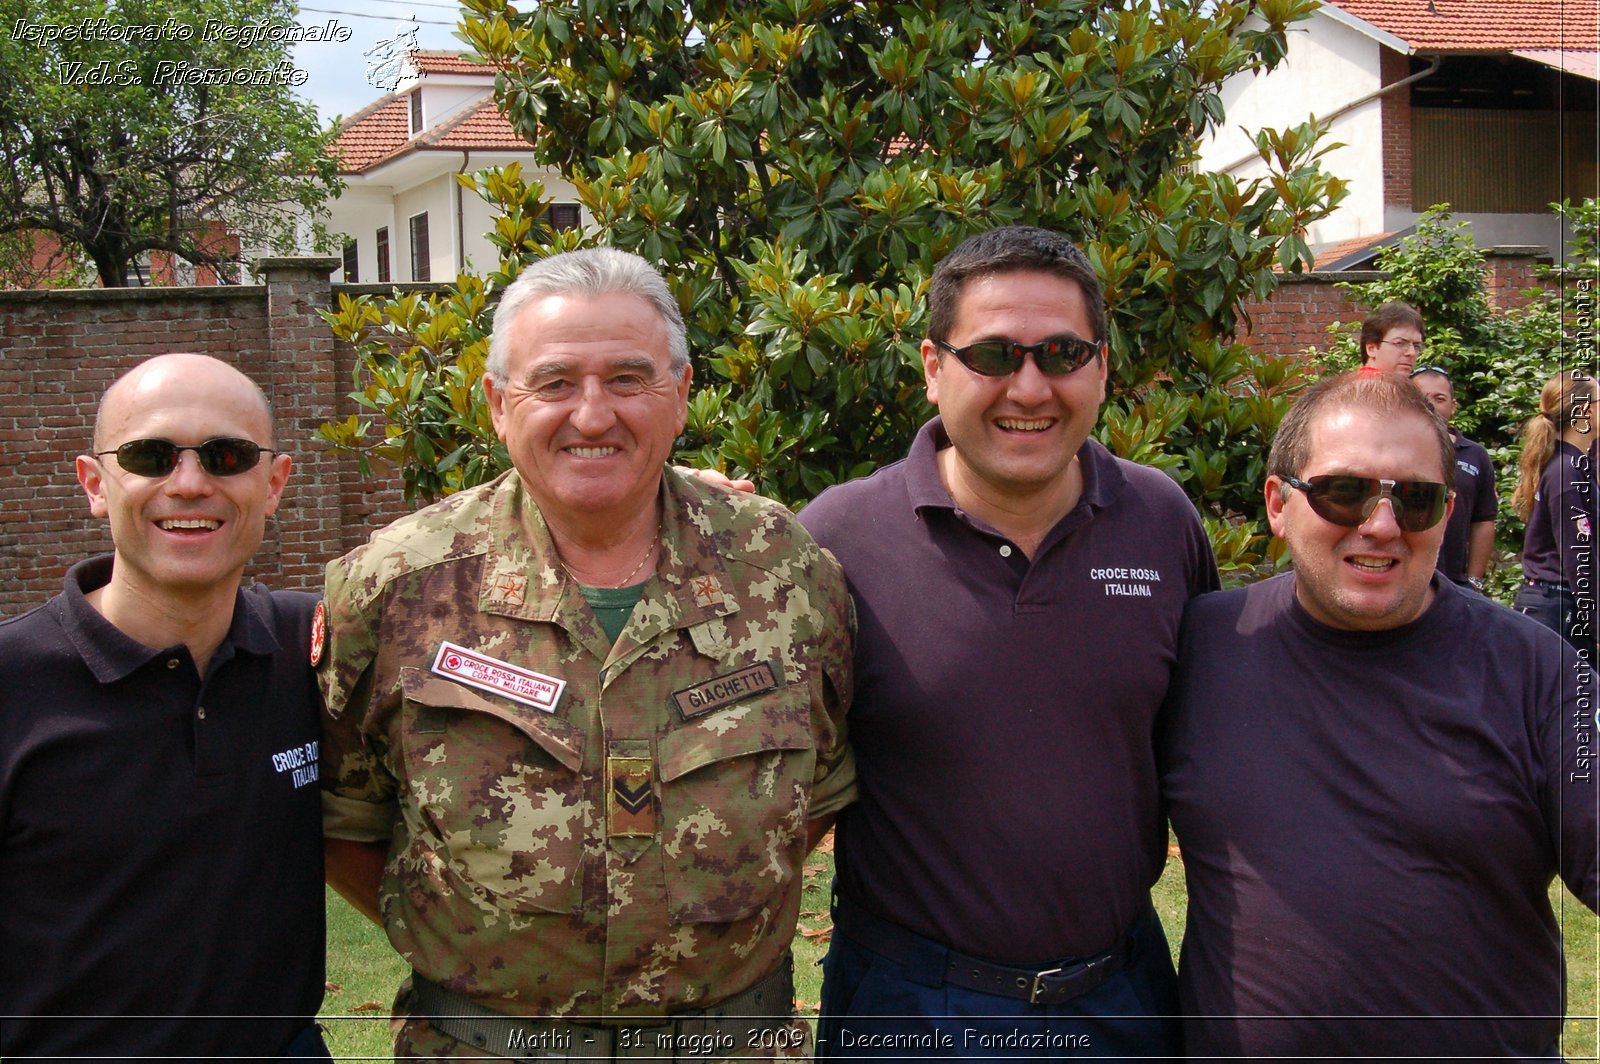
(1349, 501)
(224, 456)
(1000, 358)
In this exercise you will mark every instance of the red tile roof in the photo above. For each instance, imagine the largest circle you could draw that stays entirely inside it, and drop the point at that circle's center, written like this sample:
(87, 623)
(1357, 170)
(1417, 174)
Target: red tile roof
(430, 61)
(382, 131)
(372, 133)
(1328, 255)
(1483, 25)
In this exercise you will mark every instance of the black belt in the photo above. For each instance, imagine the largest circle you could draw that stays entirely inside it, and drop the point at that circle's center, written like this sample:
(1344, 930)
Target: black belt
(1048, 985)
(731, 1023)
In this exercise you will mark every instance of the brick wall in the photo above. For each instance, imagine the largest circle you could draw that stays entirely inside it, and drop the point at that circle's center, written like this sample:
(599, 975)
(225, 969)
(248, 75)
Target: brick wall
(1396, 121)
(60, 350)
(1510, 273)
(1297, 314)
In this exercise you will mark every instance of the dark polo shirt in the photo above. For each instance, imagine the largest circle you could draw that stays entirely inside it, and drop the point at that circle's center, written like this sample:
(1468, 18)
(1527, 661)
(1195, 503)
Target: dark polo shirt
(160, 835)
(1003, 709)
(1475, 503)
(1558, 545)
(1370, 822)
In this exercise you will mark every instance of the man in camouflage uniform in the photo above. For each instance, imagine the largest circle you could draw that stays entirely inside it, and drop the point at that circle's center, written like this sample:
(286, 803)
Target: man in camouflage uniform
(584, 722)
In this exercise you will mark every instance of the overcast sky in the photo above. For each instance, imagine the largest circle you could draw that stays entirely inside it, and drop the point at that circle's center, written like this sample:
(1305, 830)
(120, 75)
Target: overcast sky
(337, 81)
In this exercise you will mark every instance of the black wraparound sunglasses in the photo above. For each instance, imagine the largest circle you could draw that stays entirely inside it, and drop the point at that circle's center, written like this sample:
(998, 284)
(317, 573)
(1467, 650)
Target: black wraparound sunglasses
(1055, 357)
(1349, 501)
(224, 456)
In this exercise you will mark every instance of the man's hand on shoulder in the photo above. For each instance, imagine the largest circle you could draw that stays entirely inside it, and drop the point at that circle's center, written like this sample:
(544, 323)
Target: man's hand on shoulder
(717, 478)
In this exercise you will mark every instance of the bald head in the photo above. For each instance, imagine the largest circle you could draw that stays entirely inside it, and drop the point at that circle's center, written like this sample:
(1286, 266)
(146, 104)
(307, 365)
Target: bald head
(179, 380)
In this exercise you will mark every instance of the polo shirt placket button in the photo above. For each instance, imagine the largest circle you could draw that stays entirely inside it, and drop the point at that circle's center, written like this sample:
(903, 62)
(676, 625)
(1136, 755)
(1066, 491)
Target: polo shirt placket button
(202, 713)
(1005, 550)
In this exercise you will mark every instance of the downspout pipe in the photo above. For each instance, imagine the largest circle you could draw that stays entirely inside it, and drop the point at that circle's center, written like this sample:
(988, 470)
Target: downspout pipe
(1433, 68)
(461, 225)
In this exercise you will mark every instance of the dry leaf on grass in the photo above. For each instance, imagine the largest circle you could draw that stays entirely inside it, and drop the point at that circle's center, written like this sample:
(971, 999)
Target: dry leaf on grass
(369, 1006)
(333, 988)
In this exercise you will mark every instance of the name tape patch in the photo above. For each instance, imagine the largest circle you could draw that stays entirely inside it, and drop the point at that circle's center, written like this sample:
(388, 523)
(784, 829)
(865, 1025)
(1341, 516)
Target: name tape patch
(498, 677)
(722, 690)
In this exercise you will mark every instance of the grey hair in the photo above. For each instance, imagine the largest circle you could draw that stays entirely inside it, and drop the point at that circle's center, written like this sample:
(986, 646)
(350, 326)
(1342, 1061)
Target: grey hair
(587, 272)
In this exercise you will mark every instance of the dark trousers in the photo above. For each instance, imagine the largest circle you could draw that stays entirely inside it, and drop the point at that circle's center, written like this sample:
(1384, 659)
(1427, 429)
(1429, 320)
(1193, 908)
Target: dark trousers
(875, 1007)
(307, 1045)
(1555, 607)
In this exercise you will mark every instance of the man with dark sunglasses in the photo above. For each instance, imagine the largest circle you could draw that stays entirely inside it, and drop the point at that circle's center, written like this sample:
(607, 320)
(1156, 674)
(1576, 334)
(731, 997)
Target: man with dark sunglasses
(1018, 590)
(160, 847)
(1469, 534)
(1373, 775)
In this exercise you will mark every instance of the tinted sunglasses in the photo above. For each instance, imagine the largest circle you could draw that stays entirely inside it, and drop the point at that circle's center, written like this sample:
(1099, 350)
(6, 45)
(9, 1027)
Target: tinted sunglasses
(999, 358)
(224, 456)
(1349, 501)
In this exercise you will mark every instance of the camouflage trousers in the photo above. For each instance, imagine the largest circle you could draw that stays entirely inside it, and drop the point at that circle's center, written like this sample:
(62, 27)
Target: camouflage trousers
(417, 1039)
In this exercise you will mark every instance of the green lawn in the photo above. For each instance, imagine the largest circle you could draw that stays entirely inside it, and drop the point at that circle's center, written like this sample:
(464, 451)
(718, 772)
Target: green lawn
(363, 971)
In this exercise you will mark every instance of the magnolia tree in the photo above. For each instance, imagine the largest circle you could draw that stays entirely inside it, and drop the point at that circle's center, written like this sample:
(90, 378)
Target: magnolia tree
(797, 167)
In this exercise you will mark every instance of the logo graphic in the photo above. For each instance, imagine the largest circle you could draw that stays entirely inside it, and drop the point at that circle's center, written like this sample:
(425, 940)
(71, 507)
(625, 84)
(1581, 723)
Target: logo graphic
(498, 677)
(386, 59)
(319, 633)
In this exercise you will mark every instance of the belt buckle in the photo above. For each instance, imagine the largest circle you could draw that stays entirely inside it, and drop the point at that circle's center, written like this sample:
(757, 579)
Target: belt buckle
(1036, 991)
(1038, 986)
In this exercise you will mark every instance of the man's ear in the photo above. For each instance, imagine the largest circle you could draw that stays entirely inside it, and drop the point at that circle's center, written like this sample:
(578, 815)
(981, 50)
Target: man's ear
(278, 476)
(1277, 496)
(930, 370)
(91, 479)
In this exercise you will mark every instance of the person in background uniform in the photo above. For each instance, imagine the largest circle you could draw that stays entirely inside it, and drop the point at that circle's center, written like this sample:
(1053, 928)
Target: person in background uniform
(1391, 339)
(1555, 495)
(1469, 534)
(1373, 775)
(1018, 590)
(161, 889)
(585, 721)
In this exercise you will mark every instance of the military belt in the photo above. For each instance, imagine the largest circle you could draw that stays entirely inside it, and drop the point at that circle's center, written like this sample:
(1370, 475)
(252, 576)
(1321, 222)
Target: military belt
(723, 1030)
(1048, 984)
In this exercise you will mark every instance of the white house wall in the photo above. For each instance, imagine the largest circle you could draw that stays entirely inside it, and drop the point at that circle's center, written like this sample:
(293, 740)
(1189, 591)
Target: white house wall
(359, 213)
(440, 103)
(434, 198)
(1328, 65)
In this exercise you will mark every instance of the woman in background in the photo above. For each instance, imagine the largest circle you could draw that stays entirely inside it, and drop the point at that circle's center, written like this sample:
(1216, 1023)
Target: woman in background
(1556, 496)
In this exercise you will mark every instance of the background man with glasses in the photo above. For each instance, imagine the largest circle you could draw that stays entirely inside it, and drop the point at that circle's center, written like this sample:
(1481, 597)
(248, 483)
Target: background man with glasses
(160, 853)
(1018, 591)
(1469, 534)
(1373, 775)
(1391, 339)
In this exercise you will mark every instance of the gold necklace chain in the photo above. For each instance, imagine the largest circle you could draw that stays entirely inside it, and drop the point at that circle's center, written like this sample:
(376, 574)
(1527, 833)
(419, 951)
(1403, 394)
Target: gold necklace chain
(649, 552)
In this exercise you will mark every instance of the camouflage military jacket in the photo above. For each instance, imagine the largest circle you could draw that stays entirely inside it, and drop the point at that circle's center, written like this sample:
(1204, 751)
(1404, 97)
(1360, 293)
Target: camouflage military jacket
(581, 829)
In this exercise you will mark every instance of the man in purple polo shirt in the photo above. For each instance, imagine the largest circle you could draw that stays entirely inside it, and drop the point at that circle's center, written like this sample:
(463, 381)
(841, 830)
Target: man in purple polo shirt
(1469, 534)
(1019, 591)
(1373, 774)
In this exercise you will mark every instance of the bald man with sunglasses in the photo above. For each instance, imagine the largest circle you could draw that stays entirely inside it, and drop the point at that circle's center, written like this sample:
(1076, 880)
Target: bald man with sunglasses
(160, 820)
(1372, 773)
(1018, 590)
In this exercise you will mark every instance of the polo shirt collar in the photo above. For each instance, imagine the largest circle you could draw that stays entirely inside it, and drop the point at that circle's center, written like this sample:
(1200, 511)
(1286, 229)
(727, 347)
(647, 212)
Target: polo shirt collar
(111, 654)
(1102, 479)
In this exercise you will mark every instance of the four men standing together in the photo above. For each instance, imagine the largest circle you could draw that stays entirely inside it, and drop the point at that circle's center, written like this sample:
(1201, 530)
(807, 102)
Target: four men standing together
(584, 723)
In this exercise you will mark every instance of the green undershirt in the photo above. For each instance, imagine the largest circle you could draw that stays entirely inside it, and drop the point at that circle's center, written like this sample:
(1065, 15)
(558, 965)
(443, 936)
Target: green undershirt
(612, 605)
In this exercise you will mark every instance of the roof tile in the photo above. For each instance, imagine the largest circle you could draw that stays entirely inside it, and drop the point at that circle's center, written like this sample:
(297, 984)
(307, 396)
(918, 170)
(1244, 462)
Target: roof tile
(1483, 25)
(434, 61)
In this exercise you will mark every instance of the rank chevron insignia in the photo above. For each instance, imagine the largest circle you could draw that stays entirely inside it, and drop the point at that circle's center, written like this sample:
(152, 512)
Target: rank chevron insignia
(635, 798)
